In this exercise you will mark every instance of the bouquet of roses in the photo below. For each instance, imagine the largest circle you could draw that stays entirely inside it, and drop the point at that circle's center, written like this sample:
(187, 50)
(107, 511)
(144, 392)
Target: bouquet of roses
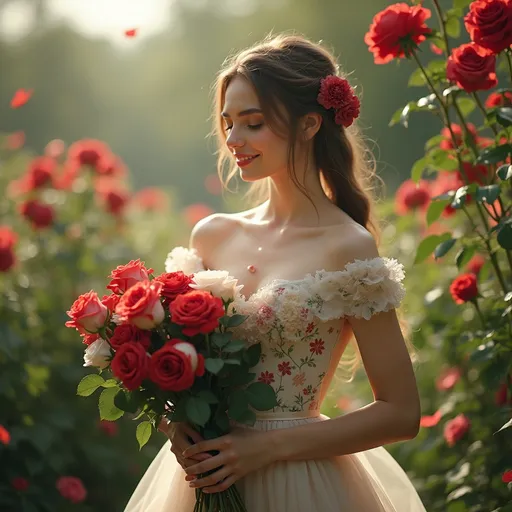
(165, 349)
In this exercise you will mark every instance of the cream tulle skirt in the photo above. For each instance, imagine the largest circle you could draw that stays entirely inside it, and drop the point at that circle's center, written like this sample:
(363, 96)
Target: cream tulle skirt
(370, 481)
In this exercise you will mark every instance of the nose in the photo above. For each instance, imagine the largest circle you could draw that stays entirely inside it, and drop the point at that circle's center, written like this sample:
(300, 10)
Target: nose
(234, 140)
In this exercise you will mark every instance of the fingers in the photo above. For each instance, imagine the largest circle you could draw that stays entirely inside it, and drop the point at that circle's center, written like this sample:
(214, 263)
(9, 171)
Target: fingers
(222, 486)
(193, 434)
(213, 479)
(209, 464)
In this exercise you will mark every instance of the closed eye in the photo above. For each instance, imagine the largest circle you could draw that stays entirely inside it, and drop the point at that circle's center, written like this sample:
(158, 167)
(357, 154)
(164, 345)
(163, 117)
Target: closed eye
(250, 126)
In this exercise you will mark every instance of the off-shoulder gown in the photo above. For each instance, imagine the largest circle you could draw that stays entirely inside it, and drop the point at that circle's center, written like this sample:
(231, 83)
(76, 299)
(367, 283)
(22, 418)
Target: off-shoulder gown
(298, 324)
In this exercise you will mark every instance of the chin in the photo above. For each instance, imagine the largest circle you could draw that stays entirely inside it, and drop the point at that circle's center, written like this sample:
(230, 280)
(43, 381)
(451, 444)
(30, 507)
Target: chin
(247, 177)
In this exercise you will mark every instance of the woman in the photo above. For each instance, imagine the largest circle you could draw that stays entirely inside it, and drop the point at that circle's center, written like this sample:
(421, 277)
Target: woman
(313, 279)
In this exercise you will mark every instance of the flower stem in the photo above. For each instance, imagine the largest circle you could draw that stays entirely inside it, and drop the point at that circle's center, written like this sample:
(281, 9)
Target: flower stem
(485, 113)
(477, 307)
(442, 26)
(508, 54)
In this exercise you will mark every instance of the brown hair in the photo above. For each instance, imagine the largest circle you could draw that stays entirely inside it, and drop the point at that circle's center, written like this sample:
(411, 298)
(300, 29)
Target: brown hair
(285, 71)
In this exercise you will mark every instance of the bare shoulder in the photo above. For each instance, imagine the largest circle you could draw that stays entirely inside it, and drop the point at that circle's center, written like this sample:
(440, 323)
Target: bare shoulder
(213, 230)
(354, 243)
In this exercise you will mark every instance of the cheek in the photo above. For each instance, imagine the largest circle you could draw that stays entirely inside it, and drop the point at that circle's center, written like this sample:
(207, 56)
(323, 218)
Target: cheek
(270, 144)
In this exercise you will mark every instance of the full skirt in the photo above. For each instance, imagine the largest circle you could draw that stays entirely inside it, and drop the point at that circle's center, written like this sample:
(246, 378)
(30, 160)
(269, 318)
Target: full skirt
(370, 481)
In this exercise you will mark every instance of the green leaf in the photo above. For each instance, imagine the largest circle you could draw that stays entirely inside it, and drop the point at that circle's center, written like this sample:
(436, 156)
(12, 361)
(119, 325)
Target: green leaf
(466, 105)
(222, 420)
(428, 245)
(452, 26)
(494, 155)
(143, 433)
(443, 159)
(395, 118)
(434, 142)
(461, 4)
(234, 346)
(233, 361)
(198, 410)
(464, 256)
(110, 383)
(108, 410)
(417, 79)
(504, 236)
(247, 418)
(238, 404)
(418, 168)
(128, 401)
(214, 365)
(221, 339)
(444, 247)
(236, 320)
(504, 172)
(488, 193)
(507, 425)
(261, 396)
(89, 384)
(252, 355)
(504, 116)
(435, 209)
(208, 396)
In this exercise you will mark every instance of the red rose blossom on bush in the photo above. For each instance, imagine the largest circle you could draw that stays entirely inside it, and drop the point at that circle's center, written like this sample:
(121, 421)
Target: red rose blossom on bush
(489, 24)
(411, 196)
(87, 152)
(464, 288)
(126, 333)
(474, 173)
(447, 379)
(5, 437)
(141, 306)
(8, 239)
(109, 428)
(40, 173)
(496, 99)
(472, 67)
(40, 215)
(20, 484)
(173, 284)
(125, 276)
(130, 365)
(456, 429)
(475, 264)
(88, 314)
(198, 311)
(443, 184)
(507, 477)
(71, 488)
(174, 369)
(396, 31)
(447, 142)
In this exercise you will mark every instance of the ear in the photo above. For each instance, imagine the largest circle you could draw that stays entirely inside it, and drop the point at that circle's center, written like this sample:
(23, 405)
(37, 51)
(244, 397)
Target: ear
(310, 125)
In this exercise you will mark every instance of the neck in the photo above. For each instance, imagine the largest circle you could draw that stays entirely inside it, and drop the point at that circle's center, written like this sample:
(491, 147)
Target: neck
(287, 206)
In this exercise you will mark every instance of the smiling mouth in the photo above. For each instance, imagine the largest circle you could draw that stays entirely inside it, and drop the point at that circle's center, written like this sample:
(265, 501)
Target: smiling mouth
(241, 162)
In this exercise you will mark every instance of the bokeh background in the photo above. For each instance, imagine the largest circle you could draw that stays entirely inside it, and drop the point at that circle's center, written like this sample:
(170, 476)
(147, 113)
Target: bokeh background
(137, 76)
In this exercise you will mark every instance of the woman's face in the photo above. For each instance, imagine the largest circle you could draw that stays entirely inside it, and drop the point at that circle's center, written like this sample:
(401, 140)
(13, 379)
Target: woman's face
(258, 151)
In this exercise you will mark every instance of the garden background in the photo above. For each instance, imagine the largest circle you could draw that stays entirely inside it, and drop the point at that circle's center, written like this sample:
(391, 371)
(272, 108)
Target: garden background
(135, 79)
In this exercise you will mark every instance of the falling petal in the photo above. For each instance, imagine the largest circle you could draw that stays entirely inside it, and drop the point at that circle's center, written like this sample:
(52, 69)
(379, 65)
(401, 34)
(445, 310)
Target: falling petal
(21, 97)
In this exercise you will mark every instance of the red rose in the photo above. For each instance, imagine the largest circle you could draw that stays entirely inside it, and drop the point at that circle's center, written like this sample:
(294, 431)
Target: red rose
(396, 31)
(447, 182)
(88, 314)
(89, 339)
(174, 366)
(5, 437)
(125, 276)
(455, 429)
(496, 99)
(447, 379)
(15, 140)
(40, 173)
(447, 142)
(334, 92)
(472, 67)
(141, 306)
(111, 165)
(127, 333)
(489, 24)
(111, 301)
(130, 365)
(475, 264)
(507, 477)
(8, 239)
(411, 196)
(199, 311)
(87, 152)
(20, 484)
(40, 215)
(174, 284)
(71, 488)
(348, 112)
(110, 428)
(503, 396)
(474, 173)
(431, 421)
(464, 288)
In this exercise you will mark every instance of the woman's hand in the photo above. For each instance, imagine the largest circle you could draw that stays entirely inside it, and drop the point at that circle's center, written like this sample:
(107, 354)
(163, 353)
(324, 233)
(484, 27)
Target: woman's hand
(242, 451)
(180, 435)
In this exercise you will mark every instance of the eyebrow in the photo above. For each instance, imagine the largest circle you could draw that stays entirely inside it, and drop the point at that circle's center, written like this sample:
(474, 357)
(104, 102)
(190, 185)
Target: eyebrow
(247, 112)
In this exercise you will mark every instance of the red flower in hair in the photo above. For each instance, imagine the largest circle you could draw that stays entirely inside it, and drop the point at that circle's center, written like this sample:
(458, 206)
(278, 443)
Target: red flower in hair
(336, 93)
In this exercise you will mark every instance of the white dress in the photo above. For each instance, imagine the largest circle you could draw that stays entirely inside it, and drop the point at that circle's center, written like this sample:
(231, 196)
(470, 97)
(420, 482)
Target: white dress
(298, 323)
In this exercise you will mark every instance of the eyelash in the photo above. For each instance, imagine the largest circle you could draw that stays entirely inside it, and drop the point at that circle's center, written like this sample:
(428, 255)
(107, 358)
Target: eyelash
(250, 126)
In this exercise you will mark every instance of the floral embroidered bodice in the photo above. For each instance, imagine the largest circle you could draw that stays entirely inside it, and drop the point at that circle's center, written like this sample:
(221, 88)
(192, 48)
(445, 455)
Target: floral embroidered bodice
(299, 322)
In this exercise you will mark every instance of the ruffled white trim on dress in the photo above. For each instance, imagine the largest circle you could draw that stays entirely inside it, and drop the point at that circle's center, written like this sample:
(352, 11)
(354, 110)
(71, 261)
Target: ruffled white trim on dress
(186, 260)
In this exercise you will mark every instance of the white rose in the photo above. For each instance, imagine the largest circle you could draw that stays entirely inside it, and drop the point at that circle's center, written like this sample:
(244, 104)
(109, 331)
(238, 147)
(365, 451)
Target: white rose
(189, 350)
(186, 260)
(96, 354)
(218, 282)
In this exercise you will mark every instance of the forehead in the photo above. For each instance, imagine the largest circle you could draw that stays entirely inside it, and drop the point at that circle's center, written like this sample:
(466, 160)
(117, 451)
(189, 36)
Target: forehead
(240, 95)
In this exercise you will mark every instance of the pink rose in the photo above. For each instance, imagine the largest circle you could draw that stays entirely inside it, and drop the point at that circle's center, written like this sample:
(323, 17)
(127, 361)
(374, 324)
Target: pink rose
(88, 314)
(71, 488)
(456, 429)
(125, 276)
(141, 306)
